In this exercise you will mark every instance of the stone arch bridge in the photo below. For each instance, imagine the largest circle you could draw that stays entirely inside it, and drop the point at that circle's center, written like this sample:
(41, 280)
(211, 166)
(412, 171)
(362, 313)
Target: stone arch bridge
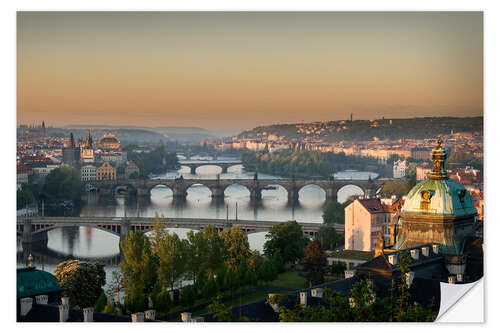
(179, 186)
(224, 165)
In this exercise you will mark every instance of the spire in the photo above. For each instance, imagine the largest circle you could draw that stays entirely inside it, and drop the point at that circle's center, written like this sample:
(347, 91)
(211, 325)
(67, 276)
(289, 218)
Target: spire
(88, 142)
(71, 140)
(438, 162)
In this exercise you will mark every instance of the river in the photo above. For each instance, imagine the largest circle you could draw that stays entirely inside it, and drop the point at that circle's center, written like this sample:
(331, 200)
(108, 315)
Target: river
(92, 244)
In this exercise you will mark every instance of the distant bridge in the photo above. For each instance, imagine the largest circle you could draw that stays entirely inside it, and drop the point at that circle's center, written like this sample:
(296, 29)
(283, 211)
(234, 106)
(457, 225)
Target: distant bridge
(224, 165)
(179, 186)
(31, 226)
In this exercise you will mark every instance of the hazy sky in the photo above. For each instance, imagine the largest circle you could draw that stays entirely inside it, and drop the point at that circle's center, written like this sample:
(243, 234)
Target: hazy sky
(239, 70)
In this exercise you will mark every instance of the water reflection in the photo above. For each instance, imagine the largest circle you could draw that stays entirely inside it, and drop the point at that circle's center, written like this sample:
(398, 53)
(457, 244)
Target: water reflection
(92, 244)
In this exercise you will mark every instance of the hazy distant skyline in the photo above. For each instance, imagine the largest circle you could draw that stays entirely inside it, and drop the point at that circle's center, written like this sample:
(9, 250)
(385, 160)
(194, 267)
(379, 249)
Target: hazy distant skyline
(223, 70)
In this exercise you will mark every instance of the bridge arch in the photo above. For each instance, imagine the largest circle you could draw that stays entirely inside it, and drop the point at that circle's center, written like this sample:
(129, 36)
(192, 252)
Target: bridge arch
(317, 192)
(199, 191)
(235, 188)
(127, 187)
(345, 191)
(195, 169)
(112, 229)
(280, 191)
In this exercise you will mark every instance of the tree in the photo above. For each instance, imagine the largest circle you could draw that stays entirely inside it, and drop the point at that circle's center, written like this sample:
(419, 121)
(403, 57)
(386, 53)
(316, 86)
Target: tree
(101, 302)
(139, 267)
(215, 250)
(334, 213)
(188, 296)
(115, 285)
(63, 184)
(286, 238)
(237, 247)
(314, 261)
(328, 238)
(136, 300)
(81, 281)
(398, 188)
(196, 250)
(221, 312)
(25, 195)
(171, 257)
(159, 233)
(210, 288)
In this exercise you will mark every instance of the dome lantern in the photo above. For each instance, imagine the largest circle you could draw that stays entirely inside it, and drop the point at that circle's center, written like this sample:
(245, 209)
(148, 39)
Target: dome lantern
(438, 162)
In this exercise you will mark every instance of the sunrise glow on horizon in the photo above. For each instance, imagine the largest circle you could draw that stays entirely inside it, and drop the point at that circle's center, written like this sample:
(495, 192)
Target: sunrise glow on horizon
(242, 69)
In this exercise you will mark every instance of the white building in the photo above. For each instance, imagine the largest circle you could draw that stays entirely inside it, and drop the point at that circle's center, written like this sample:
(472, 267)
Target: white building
(364, 219)
(399, 169)
(88, 172)
(41, 172)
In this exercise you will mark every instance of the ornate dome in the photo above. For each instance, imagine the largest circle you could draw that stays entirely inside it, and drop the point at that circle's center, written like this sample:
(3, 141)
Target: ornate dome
(439, 195)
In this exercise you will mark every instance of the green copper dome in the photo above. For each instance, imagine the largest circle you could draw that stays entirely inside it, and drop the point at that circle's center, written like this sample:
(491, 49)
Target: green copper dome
(32, 282)
(439, 197)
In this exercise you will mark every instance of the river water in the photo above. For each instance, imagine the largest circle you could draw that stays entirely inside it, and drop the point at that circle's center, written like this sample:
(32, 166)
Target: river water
(91, 244)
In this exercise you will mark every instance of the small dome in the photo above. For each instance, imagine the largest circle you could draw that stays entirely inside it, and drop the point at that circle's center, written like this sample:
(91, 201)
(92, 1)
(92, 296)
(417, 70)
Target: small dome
(32, 282)
(439, 197)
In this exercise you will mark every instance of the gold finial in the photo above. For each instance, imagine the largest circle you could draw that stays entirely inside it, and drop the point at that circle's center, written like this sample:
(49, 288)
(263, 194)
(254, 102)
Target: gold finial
(438, 161)
(30, 261)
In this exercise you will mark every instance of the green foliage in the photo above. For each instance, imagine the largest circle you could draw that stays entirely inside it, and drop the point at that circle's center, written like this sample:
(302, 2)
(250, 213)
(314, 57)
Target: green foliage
(63, 184)
(139, 266)
(286, 238)
(314, 261)
(188, 296)
(25, 195)
(210, 288)
(81, 281)
(156, 161)
(299, 163)
(109, 308)
(237, 247)
(136, 300)
(363, 306)
(221, 312)
(162, 301)
(266, 270)
(328, 238)
(398, 188)
(195, 253)
(101, 302)
(171, 257)
(215, 250)
(334, 213)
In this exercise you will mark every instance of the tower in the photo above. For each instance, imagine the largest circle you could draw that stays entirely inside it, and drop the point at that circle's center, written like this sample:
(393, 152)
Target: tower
(71, 153)
(438, 210)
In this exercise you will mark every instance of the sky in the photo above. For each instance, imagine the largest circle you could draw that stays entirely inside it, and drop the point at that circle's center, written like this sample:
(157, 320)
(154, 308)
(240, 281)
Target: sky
(238, 70)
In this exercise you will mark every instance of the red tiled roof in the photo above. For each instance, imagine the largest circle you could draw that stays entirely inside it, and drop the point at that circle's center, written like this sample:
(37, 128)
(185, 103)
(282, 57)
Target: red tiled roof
(374, 206)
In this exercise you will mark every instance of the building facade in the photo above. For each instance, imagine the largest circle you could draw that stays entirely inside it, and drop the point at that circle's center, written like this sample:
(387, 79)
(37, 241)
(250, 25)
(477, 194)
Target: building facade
(399, 169)
(106, 172)
(88, 172)
(364, 219)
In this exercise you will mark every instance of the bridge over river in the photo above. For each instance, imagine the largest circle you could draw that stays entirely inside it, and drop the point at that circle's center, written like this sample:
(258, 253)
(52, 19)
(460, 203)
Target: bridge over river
(224, 165)
(32, 228)
(179, 186)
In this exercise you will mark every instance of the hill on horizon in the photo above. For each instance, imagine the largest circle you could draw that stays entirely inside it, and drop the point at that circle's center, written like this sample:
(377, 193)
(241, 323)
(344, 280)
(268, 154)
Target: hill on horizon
(367, 130)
